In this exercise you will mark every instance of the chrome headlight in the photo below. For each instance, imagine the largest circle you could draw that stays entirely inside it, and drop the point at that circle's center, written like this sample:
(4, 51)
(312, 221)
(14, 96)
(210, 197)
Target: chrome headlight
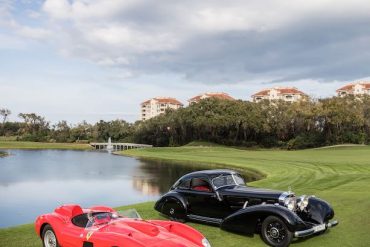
(290, 203)
(288, 200)
(303, 202)
(205, 243)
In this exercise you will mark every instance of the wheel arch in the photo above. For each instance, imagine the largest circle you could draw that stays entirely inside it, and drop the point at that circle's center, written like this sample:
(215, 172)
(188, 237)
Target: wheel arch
(248, 220)
(42, 227)
(180, 208)
(170, 196)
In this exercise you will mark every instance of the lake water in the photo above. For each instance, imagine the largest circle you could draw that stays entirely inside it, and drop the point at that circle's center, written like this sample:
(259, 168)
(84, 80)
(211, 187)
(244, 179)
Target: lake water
(33, 182)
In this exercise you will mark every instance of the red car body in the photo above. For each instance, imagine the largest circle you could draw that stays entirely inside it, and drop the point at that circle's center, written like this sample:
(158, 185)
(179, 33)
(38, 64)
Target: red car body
(114, 232)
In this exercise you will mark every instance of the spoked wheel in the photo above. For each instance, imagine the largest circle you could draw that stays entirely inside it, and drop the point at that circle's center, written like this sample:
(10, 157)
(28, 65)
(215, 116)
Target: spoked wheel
(49, 238)
(274, 232)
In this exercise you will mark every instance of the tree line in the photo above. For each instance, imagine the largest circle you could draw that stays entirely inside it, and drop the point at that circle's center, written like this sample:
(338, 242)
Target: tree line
(303, 124)
(35, 128)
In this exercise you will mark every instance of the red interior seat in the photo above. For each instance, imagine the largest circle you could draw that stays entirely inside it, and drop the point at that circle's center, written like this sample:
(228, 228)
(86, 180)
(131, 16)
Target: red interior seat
(201, 188)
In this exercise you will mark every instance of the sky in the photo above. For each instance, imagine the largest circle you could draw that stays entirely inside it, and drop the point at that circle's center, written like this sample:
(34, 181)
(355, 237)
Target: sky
(88, 60)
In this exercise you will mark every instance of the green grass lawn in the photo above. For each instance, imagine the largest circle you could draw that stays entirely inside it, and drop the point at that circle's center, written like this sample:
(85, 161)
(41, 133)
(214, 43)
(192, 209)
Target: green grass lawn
(42, 145)
(340, 175)
(25, 236)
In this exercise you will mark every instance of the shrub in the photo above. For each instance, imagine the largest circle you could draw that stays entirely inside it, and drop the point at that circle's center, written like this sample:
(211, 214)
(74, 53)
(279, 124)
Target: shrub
(304, 141)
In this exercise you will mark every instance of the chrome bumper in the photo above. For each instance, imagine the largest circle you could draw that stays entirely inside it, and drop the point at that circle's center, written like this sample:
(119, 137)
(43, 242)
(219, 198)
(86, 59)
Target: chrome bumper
(313, 230)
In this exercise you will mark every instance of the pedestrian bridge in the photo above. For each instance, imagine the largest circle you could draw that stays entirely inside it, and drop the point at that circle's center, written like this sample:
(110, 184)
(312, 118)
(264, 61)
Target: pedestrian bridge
(117, 146)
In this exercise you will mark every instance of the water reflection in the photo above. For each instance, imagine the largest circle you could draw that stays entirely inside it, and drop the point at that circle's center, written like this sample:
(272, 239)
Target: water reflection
(33, 182)
(159, 176)
(36, 181)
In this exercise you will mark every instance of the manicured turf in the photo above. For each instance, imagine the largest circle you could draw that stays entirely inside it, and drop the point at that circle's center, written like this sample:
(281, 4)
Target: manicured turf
(42, 145)
(25, 236)
(340, 175)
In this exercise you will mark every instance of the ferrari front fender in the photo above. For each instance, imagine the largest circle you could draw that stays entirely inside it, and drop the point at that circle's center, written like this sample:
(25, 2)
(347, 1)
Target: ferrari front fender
(55, 221)
(181, 230)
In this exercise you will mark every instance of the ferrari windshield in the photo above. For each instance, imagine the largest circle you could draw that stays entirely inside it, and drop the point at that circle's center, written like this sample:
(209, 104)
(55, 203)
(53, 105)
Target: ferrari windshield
(91, 219)
(100, 218)
(227, 180)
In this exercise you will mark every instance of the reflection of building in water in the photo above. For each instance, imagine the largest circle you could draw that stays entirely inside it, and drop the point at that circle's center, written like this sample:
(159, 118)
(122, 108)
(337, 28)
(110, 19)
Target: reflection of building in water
(147, 187)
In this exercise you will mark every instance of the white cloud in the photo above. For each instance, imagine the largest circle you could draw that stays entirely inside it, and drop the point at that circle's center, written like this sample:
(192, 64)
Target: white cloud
(59, 9)
(33, 33)
(210, 40)
(155, 36)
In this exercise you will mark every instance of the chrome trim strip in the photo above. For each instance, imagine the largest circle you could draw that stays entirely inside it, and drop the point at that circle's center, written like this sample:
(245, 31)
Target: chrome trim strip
(308, 232)
(304, 233)
(332, 224)
(204, 219)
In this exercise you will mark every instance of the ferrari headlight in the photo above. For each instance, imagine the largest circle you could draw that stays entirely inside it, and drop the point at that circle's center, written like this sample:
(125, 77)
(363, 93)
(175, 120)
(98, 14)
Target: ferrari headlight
(205, 243)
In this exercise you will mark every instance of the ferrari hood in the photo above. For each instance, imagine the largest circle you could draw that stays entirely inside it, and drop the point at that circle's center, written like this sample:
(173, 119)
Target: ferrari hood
(147, 233)
(171, 243)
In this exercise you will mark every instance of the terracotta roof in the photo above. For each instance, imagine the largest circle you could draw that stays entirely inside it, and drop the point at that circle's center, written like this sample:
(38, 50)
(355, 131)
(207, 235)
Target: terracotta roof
(168, 100)
(164, 100)
(290, 91)
(212, 95)
(345, 88)
(349, 87)
(196, 98)
(145, 102)
(262, 93)
(281, 90)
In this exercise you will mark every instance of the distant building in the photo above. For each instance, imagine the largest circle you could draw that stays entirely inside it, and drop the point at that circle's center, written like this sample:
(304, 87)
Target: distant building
(155, 106)
(289, 94)
(220, 95)
(357, 88)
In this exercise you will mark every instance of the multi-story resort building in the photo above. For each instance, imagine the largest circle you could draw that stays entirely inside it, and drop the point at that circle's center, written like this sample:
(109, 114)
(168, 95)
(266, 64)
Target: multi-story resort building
(220, 95)
(155, 106)
(356, 88)
(289, 94)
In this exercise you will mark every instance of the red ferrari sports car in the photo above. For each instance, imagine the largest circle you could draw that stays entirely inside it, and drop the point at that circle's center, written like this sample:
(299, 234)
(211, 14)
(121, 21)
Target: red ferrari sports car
(72, 226)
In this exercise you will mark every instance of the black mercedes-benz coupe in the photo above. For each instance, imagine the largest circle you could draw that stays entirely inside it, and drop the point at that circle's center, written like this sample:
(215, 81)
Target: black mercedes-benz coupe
(221, 197)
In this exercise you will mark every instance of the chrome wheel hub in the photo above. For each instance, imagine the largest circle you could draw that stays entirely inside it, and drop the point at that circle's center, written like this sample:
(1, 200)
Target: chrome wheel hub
(49, 239)
(274, 232)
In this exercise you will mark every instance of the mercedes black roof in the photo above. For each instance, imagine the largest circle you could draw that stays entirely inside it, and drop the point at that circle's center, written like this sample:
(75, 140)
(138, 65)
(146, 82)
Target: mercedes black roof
(211, 173)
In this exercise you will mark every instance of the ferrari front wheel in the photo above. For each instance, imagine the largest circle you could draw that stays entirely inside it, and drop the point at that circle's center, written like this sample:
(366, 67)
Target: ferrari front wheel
(274, 232)
(49, 239)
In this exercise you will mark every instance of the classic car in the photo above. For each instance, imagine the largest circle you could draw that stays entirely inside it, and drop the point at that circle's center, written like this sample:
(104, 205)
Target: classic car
(72, 226)
(221, 197)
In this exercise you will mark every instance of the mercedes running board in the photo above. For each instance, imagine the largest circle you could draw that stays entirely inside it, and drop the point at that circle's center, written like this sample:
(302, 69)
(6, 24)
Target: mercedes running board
(213, 221)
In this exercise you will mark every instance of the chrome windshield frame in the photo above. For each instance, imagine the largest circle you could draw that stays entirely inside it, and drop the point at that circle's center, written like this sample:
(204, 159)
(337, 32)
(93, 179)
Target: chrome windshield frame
(223, 175)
